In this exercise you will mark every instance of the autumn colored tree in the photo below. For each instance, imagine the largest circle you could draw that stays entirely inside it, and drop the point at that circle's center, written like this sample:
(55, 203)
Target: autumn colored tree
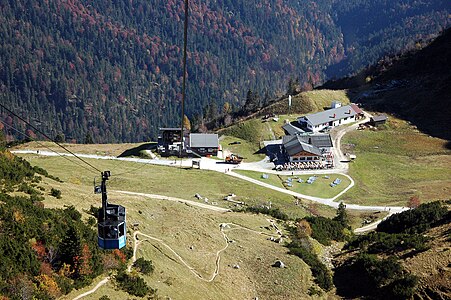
(226, 108)
(414, 202)
(39, 248)
(48, 284)
(119, 255)
(84, 261)
(303, 229)
(46, 269)
(186, 123)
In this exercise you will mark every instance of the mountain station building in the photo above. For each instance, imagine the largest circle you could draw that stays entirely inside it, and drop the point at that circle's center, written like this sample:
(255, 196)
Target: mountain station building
(309, 148)
(339, 115)
(204, 144)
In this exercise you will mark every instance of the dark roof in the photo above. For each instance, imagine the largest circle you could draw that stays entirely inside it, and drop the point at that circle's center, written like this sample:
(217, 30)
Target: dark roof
(293, 145)
(317, 140)
(379, 118)
(291, 129)
(330, 115)
(207, 140)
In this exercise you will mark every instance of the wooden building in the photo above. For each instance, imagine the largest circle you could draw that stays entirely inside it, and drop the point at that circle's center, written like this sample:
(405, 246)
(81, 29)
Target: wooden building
(378, 120)
(204, 144)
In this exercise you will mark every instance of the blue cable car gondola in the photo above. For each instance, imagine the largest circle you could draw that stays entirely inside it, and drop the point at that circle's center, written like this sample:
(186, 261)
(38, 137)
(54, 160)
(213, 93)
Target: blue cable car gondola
(111, 223)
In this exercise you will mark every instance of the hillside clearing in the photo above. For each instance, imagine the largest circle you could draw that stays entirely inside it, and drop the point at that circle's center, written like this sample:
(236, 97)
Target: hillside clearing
(396, 163)
(98, 149)
(241, 147)
(307, 102)
(194, 234)
(320, 188)
(161, 180)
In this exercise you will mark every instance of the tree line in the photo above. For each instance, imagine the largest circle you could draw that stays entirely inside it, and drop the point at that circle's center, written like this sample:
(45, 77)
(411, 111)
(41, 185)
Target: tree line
(113, 69)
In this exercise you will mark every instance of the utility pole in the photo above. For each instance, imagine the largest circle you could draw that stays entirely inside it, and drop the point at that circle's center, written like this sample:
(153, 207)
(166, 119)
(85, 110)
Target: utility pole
(185, 39)
(289, 104)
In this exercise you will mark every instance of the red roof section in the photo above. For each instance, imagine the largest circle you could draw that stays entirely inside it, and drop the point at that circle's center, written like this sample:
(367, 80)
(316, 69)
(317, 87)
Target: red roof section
(356, 109)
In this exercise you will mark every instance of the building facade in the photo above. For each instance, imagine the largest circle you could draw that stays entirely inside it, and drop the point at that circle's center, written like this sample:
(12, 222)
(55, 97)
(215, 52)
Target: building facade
(329, 118)
(204, 144)
(305, 148)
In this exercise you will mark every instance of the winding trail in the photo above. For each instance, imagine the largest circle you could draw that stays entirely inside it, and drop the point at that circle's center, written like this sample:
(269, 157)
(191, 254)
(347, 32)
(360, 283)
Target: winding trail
(189, 202)
(191, 269)
(105, 280)
(223, 230)
(210, 164)
(372, 226)
(224, 227)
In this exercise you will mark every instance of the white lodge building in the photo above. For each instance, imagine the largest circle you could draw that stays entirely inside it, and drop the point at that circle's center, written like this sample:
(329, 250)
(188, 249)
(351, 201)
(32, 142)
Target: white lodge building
(330, 118)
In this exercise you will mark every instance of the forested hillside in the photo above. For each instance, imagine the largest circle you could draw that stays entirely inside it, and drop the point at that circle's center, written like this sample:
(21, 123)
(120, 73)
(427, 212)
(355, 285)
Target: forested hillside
(44, 252)
(113, 69)
(413, 86)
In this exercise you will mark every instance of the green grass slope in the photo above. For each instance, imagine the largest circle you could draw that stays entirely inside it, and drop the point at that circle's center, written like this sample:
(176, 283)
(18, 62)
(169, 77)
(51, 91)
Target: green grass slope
(193, 233)
(396, 163)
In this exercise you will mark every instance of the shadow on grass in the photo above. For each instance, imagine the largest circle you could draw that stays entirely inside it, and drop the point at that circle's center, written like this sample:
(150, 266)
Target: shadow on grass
(351, 282)
(136, 150)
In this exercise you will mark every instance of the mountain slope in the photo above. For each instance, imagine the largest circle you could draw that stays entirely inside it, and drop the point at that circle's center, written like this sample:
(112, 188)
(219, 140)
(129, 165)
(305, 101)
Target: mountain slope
(44, 252)
(413, 86)
(406, 257)
(113, 69)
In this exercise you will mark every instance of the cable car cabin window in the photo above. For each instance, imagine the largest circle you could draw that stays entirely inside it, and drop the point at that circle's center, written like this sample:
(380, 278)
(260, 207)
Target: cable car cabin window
(112, 232)
(101, 231)
(121, 229)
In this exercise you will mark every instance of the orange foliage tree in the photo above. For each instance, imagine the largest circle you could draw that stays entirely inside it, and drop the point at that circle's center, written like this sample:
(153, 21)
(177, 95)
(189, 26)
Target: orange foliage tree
(48, 285)
(414, 202)
(83, 262)
(303, 229)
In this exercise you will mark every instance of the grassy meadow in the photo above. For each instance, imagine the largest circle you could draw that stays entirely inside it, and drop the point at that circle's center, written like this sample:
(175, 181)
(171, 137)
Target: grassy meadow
(194, 234)
(395, 163)
(97, 149)
(308, 102)
(320, 188)
(161, 180)
(244, 149)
